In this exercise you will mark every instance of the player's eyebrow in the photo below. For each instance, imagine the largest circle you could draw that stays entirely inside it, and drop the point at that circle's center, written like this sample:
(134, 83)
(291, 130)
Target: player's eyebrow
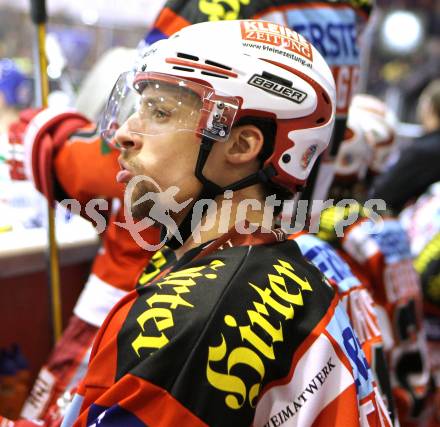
(149, 100)
(154, 100)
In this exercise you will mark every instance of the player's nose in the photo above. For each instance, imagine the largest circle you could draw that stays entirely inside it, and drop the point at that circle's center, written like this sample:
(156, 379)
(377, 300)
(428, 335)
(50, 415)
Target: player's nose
(126, 139)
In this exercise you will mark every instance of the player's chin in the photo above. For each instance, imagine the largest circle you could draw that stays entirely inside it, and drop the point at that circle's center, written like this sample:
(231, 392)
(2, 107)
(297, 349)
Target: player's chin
(141, 210)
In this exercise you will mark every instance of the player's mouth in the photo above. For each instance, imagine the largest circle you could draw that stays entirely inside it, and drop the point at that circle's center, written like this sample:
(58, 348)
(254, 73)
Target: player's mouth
(124, 175)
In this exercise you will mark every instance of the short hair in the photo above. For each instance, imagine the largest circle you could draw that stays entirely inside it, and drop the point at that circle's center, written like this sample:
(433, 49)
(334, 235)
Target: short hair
(432, 94)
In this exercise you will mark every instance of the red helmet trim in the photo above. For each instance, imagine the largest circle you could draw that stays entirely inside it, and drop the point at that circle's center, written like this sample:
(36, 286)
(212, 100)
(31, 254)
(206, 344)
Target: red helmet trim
(319, 117)
(192, 64)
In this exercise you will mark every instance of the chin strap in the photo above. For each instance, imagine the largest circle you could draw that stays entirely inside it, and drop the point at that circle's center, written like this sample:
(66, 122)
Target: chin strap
(211, 190)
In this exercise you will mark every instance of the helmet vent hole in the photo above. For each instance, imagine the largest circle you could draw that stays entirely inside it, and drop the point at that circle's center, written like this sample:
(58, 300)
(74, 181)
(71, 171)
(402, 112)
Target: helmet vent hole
(216, 64)
(277, 79)
(326, 98)
(207, 73)
(184, 69)
(187, 56)
(320, 120)
(286, 158)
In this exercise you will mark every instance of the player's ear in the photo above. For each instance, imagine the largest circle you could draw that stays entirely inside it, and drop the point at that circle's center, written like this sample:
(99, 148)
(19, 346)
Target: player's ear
(244, 144)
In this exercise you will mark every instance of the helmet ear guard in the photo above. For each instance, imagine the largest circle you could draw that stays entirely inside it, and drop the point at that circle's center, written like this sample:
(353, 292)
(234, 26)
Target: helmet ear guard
(295, 152)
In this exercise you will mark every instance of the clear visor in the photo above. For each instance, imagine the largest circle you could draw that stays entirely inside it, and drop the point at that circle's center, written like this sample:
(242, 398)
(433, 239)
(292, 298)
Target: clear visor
(153, 104)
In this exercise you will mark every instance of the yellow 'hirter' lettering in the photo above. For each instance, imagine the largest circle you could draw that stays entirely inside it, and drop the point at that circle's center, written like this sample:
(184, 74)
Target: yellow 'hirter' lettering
(162, 316)
(216, 11)
(232, 383)
(158, 260)
(256, 350)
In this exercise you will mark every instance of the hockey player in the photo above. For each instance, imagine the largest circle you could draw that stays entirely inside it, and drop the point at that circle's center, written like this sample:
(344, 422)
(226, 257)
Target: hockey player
(315, 21)
(64, 154)
(380, 254)
(240, 329)
(422, 223)
(357, 299)
(340, 50)
(15, 94)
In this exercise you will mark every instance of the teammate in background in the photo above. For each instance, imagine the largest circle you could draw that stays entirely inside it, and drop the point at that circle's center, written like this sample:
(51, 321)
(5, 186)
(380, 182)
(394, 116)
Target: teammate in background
(380, 255)
(316, 21)
(15, 94)
(356, 295)
(417, 167)
(422, 223)
(67, 159)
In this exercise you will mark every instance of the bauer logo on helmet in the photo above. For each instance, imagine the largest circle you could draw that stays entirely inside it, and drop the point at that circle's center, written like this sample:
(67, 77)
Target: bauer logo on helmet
(278, 88)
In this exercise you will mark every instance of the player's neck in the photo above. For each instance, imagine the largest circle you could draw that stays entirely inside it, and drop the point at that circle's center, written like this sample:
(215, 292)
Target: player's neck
(225, 214)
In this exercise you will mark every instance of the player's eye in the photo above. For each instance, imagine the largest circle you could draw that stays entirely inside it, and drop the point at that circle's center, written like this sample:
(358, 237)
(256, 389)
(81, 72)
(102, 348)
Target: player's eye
(160, 114)
(154, 111)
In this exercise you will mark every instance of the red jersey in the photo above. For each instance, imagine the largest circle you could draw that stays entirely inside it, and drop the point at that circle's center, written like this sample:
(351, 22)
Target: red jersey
(381, 255)
(358, 303)
(243, 331)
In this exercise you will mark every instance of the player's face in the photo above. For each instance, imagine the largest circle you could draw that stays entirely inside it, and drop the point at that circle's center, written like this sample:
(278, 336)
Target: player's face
(159, 141)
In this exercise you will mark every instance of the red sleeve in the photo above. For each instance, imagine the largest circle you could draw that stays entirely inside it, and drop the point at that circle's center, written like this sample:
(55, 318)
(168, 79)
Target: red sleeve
(4, 422)
(86, 167)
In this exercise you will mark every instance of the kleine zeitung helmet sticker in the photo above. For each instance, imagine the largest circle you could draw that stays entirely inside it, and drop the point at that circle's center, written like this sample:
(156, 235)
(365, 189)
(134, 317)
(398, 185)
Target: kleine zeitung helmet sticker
(276, 35)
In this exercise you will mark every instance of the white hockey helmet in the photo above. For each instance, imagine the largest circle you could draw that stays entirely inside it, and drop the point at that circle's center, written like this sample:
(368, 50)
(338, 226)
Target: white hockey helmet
(237, 69)
(378, 124)
(368, 141)
(354, 154)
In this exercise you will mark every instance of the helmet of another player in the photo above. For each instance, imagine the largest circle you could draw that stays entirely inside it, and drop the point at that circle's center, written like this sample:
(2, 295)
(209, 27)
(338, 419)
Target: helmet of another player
(368, 141)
